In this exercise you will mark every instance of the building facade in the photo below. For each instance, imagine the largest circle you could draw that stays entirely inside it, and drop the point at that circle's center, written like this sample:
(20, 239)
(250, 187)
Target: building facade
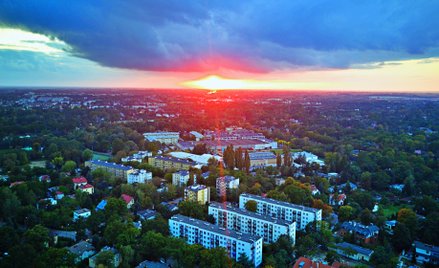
(262, 159)
(139, 176)
(241, 220)
(283, 210)
(425, 253)
(163, 137)
(168, 162)
(224, 183)
(197, 193)
(118, 171)
(180, 178)
(208, 235)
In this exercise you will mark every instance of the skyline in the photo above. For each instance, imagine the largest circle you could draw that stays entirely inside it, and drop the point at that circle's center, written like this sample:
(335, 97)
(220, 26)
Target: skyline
(324, 46)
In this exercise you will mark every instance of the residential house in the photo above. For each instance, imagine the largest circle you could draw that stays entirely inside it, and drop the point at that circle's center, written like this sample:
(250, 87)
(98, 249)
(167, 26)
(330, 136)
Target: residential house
(303, 262)
(88, 188)
(425, 253)
(44, 178)
(337, 199)
(353, 251)
(314, 190)
(147, 214)
(362, 233)
(82, 213)
(101, 205)
(129, 200)
(78, 182)
(82, 251)
(117, 259)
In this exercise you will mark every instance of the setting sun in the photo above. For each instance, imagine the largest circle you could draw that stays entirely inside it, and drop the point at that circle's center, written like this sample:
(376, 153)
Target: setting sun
(215, 82)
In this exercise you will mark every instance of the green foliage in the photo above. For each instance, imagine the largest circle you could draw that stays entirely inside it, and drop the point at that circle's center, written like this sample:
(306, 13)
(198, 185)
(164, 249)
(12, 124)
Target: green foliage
(251, 205)
(192, 209)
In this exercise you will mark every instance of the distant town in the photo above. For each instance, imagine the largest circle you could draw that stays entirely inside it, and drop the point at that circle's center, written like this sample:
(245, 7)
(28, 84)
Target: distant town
(171, 178)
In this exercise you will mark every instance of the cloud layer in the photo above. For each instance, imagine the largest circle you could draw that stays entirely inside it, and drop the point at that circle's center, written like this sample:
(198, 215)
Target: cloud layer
(252, 36)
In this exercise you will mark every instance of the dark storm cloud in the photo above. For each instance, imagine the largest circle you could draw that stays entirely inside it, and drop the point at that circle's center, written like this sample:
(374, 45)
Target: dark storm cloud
(244, 35)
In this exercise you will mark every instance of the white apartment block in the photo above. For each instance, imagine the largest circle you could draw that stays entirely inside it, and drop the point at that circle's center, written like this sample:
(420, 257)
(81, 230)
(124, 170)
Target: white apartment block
(180, 178)
(283, 210)
(139, 176)
(241, 220)
(163, 137)
(208, 235)
(224, 183)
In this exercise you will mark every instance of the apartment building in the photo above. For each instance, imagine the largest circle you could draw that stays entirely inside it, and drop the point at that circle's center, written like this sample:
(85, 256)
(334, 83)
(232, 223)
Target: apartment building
(224, 183)
(180, 178)
(198, 193)
(163, 137)
(118, 171)
(139, 176)
(211, 236)
(283, 210)
(262, 159)
(241, 220)
(168, 162)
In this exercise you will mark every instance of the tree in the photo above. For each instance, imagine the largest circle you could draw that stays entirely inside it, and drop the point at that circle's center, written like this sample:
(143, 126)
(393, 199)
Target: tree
(87, 154)
(68, 166)
(200, 148)
(345, 213)
(115, 208)
(383, 258)
(247, 162)
(152, 240)
(239, 161)
(332, 256)
(37, 237)
(105, 258)
(117, 146)
(401, 238)
(56, 257)
(278, 160)
(408, 217)
(287, 156)
(58, 161)
(251, 205)
(229, 157)
(192, 209)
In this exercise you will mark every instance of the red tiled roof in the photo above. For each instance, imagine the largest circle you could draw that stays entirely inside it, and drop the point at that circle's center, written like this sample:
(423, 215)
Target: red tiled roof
(307, 263)
(86, 186)
(127, 198)
(79, 180)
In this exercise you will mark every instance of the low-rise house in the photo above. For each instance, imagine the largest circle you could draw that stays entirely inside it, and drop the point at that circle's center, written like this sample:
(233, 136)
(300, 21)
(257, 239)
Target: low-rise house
(362, 233)
(82, 213)
(314, 190)
(303, 262)
(44, 178)
(88, 188)
(139, 176)
(147, 214)
(337, 200)
(180, 178)
(116, 257)
(129, 200)
(137, 157)
(226, 183)
(82, 251)
(389, 226)
(353, 251)
(397, 187)
(425, 253)
(310, 158)
(59, 195)
(78, 182)
(55, 234)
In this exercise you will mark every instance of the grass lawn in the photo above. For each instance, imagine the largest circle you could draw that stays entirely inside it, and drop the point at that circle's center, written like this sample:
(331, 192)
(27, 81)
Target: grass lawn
(101, 156)
(391, 210)
(41, 164)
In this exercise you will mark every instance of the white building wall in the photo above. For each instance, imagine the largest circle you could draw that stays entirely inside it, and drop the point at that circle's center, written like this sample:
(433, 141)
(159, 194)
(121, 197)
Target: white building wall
(235, 247)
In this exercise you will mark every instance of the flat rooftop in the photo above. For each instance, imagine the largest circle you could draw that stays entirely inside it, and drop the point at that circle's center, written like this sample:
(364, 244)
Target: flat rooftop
(204, 225)
(279, 203)
(245, 212)
(110, 165)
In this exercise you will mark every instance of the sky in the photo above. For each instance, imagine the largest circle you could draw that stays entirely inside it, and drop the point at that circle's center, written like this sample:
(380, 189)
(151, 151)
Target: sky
(390, 46)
